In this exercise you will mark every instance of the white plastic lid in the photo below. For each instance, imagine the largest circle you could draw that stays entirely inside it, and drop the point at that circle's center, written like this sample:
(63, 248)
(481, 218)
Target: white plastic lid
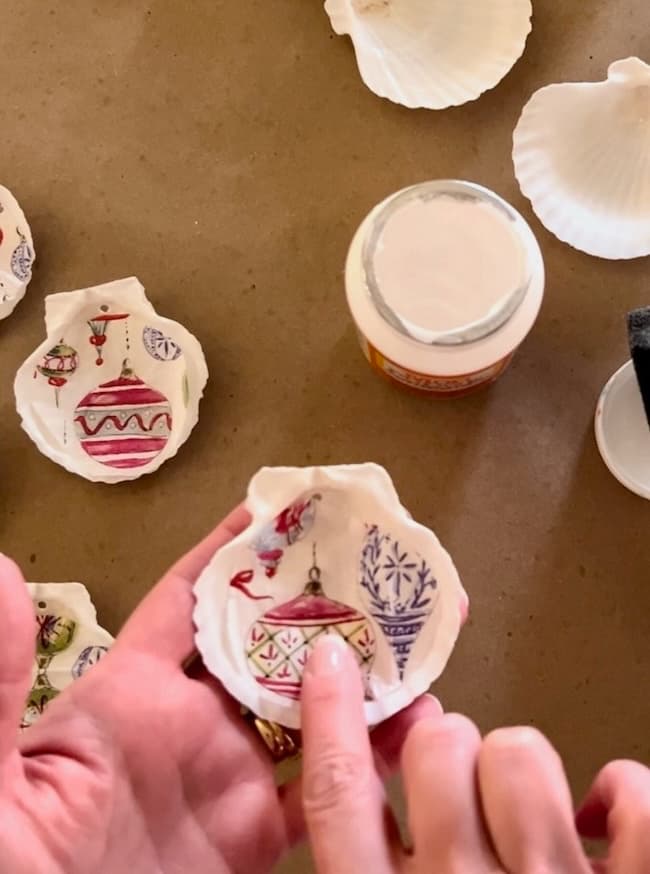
(622, 431)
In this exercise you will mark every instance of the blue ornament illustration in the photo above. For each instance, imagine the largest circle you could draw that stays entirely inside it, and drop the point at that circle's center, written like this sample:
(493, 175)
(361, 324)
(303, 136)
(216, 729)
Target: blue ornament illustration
(87, 658)
(159, 346)
(22, 259)
(399, 589)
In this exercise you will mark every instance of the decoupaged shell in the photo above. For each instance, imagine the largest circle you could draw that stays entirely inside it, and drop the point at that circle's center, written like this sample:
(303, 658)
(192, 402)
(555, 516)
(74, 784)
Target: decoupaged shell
(330, 550)
(114, 390)
(433, 53)
(16, 253)
(68, 642)
(582, 157)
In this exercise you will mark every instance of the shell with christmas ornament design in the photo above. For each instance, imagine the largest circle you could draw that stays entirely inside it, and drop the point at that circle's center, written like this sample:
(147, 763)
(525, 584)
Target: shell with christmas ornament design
(95, 399)
(353, 563)
(16, 253)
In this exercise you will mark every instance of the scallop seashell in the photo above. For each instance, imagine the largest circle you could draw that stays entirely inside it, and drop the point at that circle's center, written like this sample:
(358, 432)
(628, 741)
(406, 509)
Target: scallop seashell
(16, 253)
(433, 54)
(582, 157)
(347, 560)
(95, 399)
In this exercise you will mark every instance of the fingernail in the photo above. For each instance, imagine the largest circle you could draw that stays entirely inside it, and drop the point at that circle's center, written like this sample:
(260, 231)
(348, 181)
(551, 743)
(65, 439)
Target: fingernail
(327, 656)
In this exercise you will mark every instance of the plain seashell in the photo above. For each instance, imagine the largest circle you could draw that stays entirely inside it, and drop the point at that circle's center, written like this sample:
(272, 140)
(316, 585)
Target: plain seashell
(16, 253)
(433, 54)
(330, 550)
(582, 157)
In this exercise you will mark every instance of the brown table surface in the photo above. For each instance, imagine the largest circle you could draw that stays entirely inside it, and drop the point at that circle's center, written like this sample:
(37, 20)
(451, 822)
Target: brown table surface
(225, 153)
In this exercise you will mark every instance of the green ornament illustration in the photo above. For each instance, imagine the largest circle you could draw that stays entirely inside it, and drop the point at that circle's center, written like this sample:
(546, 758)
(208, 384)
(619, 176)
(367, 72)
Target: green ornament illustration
(37, 701)
(54, 634)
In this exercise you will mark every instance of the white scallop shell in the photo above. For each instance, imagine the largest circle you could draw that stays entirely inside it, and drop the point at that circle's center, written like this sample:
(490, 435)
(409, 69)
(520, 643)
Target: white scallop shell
(388, 588)
(16, 253)
(582, 157)
(433, 53)
(88, 642)
(94, 399)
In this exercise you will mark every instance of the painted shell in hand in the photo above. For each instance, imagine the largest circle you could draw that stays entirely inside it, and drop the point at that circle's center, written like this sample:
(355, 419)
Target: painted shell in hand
(381, 582)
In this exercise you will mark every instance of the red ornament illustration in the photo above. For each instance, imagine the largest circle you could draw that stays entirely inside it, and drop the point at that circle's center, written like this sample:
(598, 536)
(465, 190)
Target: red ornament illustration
(293, 523)
(279, 642)
(98, 326)
(58, 366)
(124, 423)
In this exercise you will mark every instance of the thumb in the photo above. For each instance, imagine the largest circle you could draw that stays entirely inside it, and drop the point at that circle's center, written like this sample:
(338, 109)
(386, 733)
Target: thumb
(17, 634)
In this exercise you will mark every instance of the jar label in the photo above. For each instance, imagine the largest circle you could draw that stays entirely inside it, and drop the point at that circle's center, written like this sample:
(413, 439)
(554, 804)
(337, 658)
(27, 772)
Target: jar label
(434, 386)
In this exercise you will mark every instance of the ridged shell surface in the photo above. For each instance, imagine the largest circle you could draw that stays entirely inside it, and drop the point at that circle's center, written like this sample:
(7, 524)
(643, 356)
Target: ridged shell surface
(582, 157)
(433, 53)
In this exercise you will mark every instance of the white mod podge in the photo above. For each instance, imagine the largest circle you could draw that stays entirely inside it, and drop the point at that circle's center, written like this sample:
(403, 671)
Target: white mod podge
(444, 280)
(446, 262)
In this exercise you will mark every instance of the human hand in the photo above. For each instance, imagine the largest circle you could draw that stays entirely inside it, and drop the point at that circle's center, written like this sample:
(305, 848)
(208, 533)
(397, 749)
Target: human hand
(138, 767)
(499, 805)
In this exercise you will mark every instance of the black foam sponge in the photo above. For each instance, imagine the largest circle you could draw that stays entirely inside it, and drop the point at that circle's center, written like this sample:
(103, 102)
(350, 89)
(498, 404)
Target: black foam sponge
(638, 331)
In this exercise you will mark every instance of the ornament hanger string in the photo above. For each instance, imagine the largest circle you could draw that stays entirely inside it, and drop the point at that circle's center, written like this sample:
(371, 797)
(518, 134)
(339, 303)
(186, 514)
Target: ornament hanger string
(314, 571)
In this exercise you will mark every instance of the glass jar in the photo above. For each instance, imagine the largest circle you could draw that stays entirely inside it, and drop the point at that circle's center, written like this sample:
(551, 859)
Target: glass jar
(444, 280)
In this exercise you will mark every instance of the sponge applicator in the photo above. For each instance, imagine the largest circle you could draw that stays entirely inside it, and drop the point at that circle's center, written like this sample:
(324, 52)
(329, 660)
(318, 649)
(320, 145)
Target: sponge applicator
(638, 329)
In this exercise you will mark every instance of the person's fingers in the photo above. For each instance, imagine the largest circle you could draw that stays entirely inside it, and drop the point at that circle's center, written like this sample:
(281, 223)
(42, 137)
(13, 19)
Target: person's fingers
(344, 803)
(18, 634)
(191, 565)
(439, 772)
(527, 803)
(162, 623)
(618, 807)
(386, 740)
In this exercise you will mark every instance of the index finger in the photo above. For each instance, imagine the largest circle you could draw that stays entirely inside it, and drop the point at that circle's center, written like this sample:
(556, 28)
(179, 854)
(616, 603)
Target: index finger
(343, 799)
(162, 623)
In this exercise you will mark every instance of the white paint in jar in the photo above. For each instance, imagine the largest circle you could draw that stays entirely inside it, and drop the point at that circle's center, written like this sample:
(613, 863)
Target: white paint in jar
(444, 280)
